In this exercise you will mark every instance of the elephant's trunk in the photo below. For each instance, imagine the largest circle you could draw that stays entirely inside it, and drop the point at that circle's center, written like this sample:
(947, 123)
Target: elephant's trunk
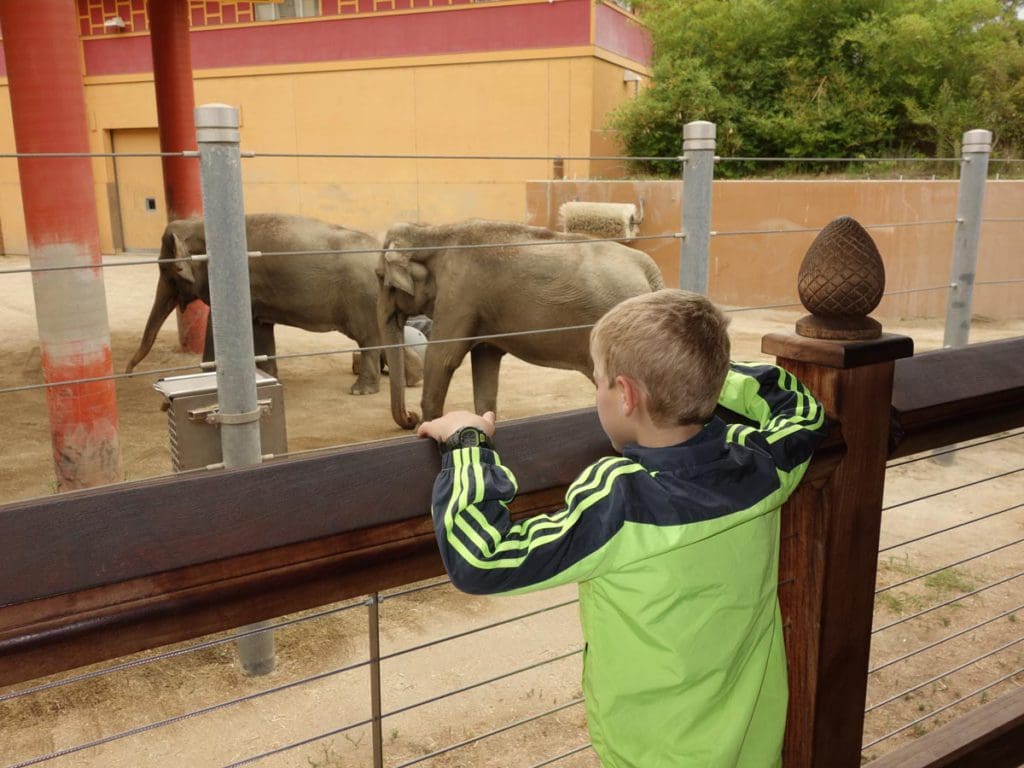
(164, 303)
(392, 334)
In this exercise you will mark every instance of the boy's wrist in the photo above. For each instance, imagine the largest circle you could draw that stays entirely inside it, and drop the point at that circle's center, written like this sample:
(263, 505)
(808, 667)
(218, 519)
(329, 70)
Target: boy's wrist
(466, 437)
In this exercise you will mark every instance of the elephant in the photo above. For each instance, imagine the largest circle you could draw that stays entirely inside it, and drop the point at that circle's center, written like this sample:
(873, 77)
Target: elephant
(526, 278)
(313, 291)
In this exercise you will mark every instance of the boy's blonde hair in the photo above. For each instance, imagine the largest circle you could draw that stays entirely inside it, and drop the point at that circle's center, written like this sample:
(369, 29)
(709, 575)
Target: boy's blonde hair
(674, 344)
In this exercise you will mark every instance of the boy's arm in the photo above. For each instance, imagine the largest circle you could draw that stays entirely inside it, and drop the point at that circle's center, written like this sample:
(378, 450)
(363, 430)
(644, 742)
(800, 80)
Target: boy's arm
(790, 421)
(485, 553)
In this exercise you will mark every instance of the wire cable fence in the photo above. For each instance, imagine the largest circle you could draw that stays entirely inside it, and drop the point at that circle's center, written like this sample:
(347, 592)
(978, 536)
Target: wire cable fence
(957, 641)
(371, 662)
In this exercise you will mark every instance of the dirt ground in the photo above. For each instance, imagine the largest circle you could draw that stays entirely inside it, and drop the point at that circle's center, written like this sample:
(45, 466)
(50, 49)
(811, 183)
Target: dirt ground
(321, 413)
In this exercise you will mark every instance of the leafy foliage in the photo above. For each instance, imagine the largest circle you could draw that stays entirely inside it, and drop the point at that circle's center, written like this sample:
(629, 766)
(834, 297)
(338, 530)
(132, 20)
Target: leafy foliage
(830, 78)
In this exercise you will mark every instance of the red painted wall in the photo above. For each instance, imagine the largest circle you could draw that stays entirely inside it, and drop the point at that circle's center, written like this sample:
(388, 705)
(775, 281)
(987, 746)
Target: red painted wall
(487, 28)
(620, 34)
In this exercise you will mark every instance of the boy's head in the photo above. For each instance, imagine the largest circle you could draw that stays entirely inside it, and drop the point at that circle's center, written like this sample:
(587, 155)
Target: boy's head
(674, 345)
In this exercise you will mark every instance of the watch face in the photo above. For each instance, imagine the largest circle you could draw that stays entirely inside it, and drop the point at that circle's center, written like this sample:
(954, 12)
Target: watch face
(469, 437)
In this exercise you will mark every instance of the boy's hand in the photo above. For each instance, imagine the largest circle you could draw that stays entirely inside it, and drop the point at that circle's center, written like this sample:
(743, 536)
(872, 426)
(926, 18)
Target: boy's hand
(442, 428)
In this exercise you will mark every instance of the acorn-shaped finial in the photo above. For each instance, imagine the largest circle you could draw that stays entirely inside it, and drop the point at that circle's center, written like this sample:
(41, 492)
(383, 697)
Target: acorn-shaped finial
(841, 281)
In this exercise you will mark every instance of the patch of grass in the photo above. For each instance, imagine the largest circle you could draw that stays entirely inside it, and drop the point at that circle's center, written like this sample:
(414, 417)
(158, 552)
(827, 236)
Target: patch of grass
(331, 759)
(951, 580)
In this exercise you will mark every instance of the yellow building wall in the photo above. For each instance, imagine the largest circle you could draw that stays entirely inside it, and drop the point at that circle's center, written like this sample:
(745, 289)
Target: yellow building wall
(525, 106)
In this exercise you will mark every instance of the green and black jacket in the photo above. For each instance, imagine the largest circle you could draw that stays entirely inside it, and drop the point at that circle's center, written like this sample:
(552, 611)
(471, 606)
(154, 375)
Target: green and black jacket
(676, 554)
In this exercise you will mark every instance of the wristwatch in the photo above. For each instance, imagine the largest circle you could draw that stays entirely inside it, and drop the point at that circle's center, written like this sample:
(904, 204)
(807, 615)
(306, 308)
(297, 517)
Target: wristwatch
(466, 437)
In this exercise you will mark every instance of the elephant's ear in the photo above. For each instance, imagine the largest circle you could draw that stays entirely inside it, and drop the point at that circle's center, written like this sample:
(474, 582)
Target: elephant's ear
(183, 265)
(397, 272)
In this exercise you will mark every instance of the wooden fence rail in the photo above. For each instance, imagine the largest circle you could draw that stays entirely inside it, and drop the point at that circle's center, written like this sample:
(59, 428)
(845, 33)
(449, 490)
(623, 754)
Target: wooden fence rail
(97, 574)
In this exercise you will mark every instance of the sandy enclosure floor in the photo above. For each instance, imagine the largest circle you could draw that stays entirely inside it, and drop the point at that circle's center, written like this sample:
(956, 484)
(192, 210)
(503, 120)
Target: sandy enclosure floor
(321, 413)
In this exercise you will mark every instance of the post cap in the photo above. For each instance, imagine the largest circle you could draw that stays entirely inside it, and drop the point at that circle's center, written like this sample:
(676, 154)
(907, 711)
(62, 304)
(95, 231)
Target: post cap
(700, 134)
(978, 140)
(217, 123)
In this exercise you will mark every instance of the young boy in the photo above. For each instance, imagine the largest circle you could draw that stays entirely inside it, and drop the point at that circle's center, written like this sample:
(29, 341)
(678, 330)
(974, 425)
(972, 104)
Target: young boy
(674, 544)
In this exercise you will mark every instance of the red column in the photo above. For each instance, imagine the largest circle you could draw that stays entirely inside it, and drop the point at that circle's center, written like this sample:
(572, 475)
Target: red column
(175, 105)
(48, 105)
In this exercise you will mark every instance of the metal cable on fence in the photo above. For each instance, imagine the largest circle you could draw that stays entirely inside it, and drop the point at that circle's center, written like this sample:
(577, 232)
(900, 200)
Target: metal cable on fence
(411, 590)
(946, 639)
(947, 567)
(1004, 221)
(488, 734)
(297, 744)
(740, 158)
(934, 454)
(175, 653)
(372, 156)
(187, 716)
(44, 155)
(804, 230)
(950, 528)
(482, 683)
(947, 673)
(1011, 281)
(943, 708)
(943, 604)
(347, 251)
(570, 753)
(951, 490)
(483, 628)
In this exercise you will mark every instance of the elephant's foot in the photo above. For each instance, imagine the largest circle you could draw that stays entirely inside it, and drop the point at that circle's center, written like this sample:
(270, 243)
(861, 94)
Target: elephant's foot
(356, 363)
(365, 388)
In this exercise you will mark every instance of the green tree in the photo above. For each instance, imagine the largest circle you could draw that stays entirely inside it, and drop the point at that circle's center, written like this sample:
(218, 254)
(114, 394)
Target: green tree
(828, 78)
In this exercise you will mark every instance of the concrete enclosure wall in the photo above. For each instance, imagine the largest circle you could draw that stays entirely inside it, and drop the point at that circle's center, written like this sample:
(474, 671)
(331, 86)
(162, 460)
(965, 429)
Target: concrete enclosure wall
(761, 269)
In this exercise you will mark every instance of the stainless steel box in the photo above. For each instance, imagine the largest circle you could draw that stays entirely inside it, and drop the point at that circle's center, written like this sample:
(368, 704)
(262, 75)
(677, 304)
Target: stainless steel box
(195, 441)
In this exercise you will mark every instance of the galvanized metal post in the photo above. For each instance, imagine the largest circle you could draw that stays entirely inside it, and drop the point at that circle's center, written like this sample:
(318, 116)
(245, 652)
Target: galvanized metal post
(231, 305)
(375, 706)
(977, 145)
(698, 171)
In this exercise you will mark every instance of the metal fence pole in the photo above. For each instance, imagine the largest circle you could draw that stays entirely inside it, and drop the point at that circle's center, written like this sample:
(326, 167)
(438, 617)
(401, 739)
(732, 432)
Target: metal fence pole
(698, 171)
(375, 706)
(974, 168)
(228, 267)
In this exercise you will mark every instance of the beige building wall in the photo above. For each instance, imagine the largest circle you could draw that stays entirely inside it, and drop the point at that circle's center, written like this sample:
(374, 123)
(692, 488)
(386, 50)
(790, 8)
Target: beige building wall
(910, 221)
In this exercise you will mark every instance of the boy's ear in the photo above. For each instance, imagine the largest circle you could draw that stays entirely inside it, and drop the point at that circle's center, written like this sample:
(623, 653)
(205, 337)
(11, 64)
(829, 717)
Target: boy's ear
(629, 392)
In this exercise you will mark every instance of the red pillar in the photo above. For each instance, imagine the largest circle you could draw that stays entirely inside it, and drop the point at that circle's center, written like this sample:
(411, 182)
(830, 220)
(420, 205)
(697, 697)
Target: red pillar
(175, 106)
(48, 105)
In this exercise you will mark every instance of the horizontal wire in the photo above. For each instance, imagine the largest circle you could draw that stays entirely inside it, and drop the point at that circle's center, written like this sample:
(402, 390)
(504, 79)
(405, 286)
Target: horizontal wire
(951, 528)
(411, 590)
(570, 753)
(482, 628)
(943, 604)
(946, 639)
(941, 709)
(797, 230)
(951, 490)
(947, 673)
(45, 155)
(347, 251)
(947, 567)
(494, 732)
(186, 716)
(932, 455)
(375, 156)
(297, 744)
(211, 365)
(173, 654)
(481, 683)
(1004, 221)
(739, 158)
(1012, 280)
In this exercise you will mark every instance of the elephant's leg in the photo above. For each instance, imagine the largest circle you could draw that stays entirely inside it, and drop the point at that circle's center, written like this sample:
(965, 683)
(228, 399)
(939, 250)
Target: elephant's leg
(439, 364)
(368, 373)
(263, 343)
(486, 360)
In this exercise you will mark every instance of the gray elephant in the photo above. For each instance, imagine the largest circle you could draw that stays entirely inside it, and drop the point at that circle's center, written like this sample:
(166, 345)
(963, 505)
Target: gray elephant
(313, 291)
(522, 282)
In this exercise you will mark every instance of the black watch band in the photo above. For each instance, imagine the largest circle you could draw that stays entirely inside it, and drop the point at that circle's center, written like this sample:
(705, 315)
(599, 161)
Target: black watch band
(466, 437)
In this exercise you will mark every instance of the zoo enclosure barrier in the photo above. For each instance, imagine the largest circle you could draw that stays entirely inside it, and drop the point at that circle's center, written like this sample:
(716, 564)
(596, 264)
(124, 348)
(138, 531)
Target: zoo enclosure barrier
(159, 584)
(784, 582)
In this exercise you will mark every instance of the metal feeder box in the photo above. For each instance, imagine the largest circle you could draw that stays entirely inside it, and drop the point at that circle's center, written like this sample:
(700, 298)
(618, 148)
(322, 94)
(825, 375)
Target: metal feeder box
(195, 439)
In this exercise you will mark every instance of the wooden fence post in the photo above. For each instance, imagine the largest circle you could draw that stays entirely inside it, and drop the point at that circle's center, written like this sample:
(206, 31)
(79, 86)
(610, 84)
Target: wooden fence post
(829, 551)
